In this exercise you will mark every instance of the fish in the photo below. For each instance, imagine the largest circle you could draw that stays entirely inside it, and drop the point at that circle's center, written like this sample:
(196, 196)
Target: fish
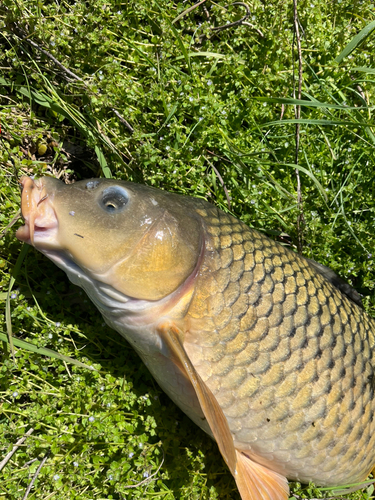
(268, 352)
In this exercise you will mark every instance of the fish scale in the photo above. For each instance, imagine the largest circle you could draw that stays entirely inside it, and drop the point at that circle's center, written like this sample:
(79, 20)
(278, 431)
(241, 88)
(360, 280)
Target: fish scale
(266, 351)
(287, 356)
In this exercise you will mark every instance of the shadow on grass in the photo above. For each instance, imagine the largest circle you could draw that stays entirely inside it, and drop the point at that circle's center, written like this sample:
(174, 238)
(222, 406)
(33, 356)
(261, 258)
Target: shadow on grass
(187, 450)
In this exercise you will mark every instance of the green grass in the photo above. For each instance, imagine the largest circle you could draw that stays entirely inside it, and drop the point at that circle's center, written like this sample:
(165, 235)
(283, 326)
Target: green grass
(154, 95)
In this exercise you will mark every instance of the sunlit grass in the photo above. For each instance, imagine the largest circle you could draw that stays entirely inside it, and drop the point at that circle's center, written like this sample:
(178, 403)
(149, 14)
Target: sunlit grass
(155, 101)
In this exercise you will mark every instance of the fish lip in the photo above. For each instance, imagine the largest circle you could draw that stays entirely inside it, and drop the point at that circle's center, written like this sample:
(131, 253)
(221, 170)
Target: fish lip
(38, 213)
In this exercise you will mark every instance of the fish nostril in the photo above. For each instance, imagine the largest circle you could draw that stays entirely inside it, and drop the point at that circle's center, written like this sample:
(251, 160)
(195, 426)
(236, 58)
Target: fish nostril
(92, 185)
(42, 199)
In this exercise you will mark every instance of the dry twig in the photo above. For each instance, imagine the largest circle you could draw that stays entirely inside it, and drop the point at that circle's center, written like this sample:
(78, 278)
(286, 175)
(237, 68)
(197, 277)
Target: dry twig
(218, 29)
(147, 478)
(36, 475)
(25, 37)
(300, 218)
(235, 23)
(11, 223)
(222, 183)
(15, 447)
(20, 33)
(240, 22)
(183, 14)
(123, 121)
(282, 111)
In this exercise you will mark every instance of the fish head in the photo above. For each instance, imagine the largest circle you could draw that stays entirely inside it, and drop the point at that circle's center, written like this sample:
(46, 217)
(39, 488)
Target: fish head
(134, 238)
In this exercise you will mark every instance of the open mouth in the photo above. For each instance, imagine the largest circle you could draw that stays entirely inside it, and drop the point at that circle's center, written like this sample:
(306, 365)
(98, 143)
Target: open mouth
(37, 210)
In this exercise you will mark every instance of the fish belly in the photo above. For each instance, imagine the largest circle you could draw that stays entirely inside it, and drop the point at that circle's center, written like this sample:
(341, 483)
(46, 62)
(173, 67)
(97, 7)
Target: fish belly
(288, 357)
(178, 387)
(154, 354)
(143, 337)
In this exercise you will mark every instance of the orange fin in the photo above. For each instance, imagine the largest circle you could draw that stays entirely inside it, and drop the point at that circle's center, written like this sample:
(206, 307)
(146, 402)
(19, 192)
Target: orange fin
(172, 336)
(257, 482)
(254, 481)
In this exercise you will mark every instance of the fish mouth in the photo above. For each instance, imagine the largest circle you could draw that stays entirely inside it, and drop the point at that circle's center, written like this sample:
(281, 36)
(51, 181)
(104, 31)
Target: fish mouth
(38, 213)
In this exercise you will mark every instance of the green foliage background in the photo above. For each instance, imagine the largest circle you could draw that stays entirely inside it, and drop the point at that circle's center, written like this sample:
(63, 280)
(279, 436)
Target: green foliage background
(165, 99)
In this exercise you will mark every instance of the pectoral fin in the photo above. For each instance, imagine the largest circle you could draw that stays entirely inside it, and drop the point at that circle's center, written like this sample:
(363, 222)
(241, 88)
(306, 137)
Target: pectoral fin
(254, 481)
(257, 482)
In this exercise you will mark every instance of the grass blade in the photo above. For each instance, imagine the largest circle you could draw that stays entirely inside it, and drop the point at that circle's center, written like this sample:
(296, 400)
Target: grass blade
(142, 54)
(172, 112)
(306, 121)
(179, 40)
(353, 44)
(309, 174)
(103, 162)
(310, 104)
(204, 54)
(363, 69)
(8, 318)
(189, 9)
(348, 488)
(44, 351)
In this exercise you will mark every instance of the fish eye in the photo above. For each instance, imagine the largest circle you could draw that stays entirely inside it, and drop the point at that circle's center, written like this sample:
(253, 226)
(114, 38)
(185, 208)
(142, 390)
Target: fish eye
(114, 199)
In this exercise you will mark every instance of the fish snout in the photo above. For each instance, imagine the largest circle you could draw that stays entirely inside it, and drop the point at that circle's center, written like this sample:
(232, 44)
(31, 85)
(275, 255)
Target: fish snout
(37, 211)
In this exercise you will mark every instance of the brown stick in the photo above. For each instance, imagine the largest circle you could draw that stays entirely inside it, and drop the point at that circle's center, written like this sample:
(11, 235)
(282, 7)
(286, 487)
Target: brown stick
(148, 479)
(35, 475)
(123, 121)
(235, 23)
(300, 218)
(21, 34)
(11, 223)
(222, 183)
(239, 22)
(187, 11)
(14, 449)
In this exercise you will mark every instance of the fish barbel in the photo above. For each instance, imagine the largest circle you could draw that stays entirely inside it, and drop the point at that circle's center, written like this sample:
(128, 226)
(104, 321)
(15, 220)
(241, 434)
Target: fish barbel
(256, 344)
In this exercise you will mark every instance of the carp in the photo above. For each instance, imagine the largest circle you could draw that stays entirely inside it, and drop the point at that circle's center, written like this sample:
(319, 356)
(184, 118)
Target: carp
(266, 351)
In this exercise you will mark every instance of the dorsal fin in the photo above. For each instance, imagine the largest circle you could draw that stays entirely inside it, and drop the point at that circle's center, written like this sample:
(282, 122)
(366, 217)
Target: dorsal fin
(336, 281)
